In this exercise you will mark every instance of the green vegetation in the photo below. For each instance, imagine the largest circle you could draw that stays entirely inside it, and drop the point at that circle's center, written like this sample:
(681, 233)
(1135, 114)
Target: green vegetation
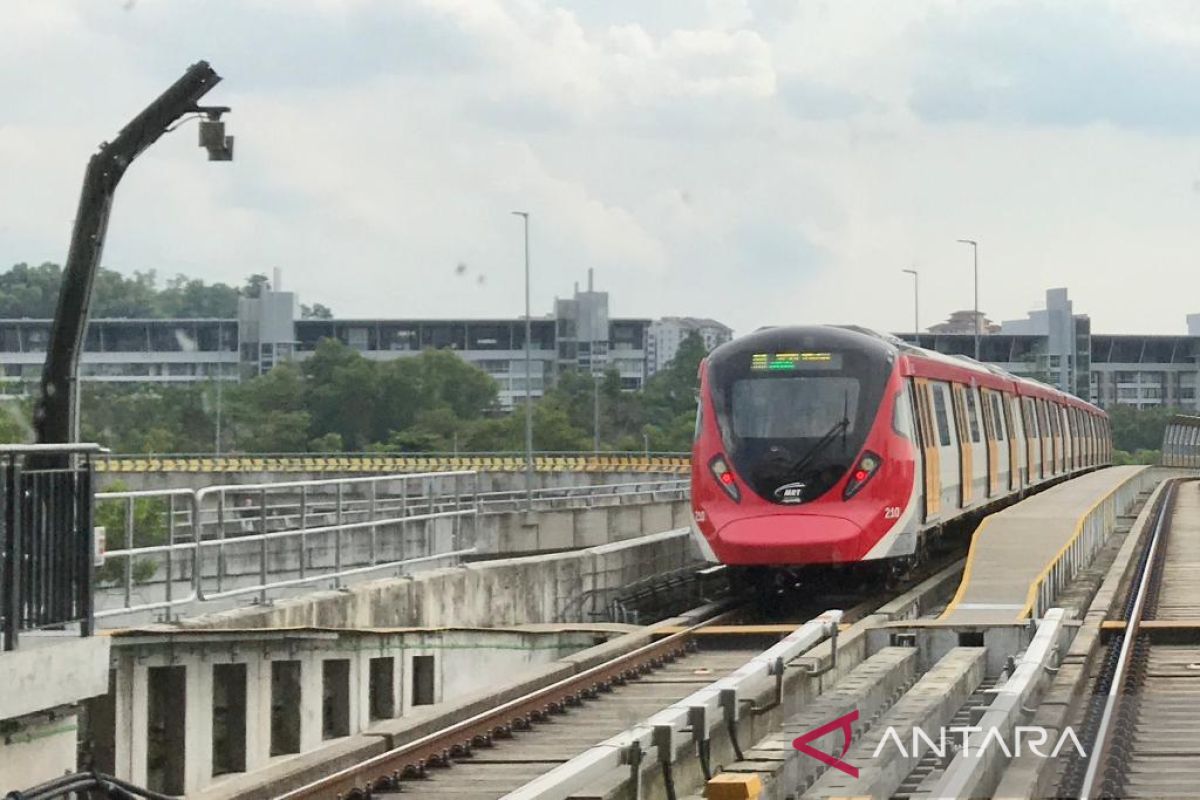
(337, 400)
(1138, 433)
(32, 292)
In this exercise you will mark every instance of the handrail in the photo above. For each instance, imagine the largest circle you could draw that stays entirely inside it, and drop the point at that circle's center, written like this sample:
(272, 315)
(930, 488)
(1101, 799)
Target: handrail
(695, 716)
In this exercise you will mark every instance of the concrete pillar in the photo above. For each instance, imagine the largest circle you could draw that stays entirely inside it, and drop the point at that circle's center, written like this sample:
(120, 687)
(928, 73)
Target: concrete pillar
(258, 713)
(139, 705)
(123, 725)
(310, 701)
(360, 691)
(198, 714)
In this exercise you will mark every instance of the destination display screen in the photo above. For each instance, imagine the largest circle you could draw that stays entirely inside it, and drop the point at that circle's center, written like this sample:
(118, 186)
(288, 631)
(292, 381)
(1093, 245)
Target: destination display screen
(791, 362)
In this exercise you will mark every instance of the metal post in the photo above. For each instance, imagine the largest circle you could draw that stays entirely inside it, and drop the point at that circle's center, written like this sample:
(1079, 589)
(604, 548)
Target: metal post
(595, 410)
(303, 530)
(54, 414)
(128, 547)
(220, 541)
(337, 550)
(371, 512)
(916, 305)
(262, 549)
(528, 376)
(975, 252)
(403, 516)
(456, 527)
(87, 509)
(217, 434)
(170, 553)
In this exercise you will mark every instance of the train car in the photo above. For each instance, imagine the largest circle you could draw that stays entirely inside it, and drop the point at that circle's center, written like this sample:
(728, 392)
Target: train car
(824, 445)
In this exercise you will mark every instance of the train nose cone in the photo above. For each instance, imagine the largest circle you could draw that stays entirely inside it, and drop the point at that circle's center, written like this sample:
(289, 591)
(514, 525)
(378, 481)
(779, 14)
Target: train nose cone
(790, 539)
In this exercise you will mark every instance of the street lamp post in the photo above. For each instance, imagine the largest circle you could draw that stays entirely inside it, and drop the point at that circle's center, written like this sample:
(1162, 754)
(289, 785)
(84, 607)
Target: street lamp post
(916, 304)
(595, 407)
(524, 215)
(975, 253)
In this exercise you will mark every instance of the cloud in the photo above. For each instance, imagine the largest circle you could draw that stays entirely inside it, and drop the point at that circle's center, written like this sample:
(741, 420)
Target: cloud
(757, 161)
(1064, 64)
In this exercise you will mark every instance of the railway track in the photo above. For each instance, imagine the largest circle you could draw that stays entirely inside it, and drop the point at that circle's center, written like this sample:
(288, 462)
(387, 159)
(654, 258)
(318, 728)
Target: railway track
(1143, 721)
(488, 755)
(494, 752)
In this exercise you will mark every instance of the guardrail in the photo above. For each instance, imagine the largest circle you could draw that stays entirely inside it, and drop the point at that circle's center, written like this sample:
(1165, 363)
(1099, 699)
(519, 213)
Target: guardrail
(695, 717)
(1181, 442)
(1090, 534)
(974, 766)
(551, 498)
(46, 541)
(182, 546)
(409, 462)
(173, 547)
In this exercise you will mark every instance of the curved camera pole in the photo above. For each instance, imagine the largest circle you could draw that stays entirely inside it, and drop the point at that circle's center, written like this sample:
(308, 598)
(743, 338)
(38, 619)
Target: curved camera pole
(54, 415)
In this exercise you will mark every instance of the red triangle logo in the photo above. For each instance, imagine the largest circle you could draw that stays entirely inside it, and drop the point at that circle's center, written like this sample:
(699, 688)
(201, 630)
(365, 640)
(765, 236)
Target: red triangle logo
(842, 723)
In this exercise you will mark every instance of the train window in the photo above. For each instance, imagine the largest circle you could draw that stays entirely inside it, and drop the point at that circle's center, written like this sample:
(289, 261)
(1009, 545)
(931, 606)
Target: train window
(973, 414)
(943, 421)
(803, 407)
(998, 418)
(902, 415)
(699, 421)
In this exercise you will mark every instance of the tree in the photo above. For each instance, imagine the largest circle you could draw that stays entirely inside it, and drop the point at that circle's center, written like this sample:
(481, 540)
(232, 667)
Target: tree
(267, 413)
(315, 311)
(255, 284)
(1136, 429)
(184, 297)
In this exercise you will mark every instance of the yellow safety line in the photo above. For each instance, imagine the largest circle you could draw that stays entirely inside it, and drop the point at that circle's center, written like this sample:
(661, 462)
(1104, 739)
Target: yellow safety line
(1031, 595)
(400, 463)
(966, 576)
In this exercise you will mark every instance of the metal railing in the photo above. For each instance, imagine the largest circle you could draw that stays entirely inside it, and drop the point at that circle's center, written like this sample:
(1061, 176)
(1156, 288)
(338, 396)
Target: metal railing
(660, 738)
(182, 546)
(46, 545)
(1091, 532)
(551, 498)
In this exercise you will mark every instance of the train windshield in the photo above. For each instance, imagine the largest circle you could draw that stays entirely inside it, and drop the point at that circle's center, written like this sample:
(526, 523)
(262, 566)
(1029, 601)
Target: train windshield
(794, 422)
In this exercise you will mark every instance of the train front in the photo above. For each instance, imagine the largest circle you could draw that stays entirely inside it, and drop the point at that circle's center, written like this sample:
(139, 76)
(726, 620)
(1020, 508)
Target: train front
(801, 455)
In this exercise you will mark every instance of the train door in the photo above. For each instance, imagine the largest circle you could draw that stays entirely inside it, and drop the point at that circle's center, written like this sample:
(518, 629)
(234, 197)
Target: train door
(1089, 435)
(949, 453)
(1017, 455)
(1033, 439)
(1060, 437)
(966, 474)
(930, 470)
(1045, 437)
(980, 447)
(993, 427)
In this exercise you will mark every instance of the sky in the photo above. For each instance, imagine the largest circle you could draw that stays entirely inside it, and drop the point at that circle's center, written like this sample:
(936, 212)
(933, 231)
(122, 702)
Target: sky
(761, 162)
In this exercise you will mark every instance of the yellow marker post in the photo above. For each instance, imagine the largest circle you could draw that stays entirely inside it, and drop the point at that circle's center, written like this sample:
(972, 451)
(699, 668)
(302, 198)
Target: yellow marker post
(734, 786)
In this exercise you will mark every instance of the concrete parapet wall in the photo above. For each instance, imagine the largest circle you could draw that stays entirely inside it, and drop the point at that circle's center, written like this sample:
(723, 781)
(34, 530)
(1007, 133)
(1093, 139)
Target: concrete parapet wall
(545, 531)
(513, 591)
(43, 680)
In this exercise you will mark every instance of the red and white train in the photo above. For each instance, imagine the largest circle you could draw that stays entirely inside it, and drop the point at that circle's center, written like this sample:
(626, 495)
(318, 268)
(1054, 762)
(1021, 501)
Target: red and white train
(831, 445)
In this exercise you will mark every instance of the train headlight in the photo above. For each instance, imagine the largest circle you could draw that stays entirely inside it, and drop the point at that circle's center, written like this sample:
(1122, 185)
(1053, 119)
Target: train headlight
(724, 477)
(866, 468)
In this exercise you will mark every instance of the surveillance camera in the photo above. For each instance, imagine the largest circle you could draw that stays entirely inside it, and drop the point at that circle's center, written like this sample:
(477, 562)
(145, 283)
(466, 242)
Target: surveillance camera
(214, 140)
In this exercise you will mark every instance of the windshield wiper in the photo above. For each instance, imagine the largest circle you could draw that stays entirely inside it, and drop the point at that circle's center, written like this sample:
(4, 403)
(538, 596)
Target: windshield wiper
(841, 426)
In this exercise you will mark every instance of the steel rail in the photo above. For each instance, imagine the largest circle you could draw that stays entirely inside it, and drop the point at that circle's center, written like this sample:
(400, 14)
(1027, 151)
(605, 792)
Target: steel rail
(410, 760)
(1104, 731)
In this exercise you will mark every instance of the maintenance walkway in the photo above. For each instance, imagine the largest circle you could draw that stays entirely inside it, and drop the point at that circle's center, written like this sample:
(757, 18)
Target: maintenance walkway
(1020, 557)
